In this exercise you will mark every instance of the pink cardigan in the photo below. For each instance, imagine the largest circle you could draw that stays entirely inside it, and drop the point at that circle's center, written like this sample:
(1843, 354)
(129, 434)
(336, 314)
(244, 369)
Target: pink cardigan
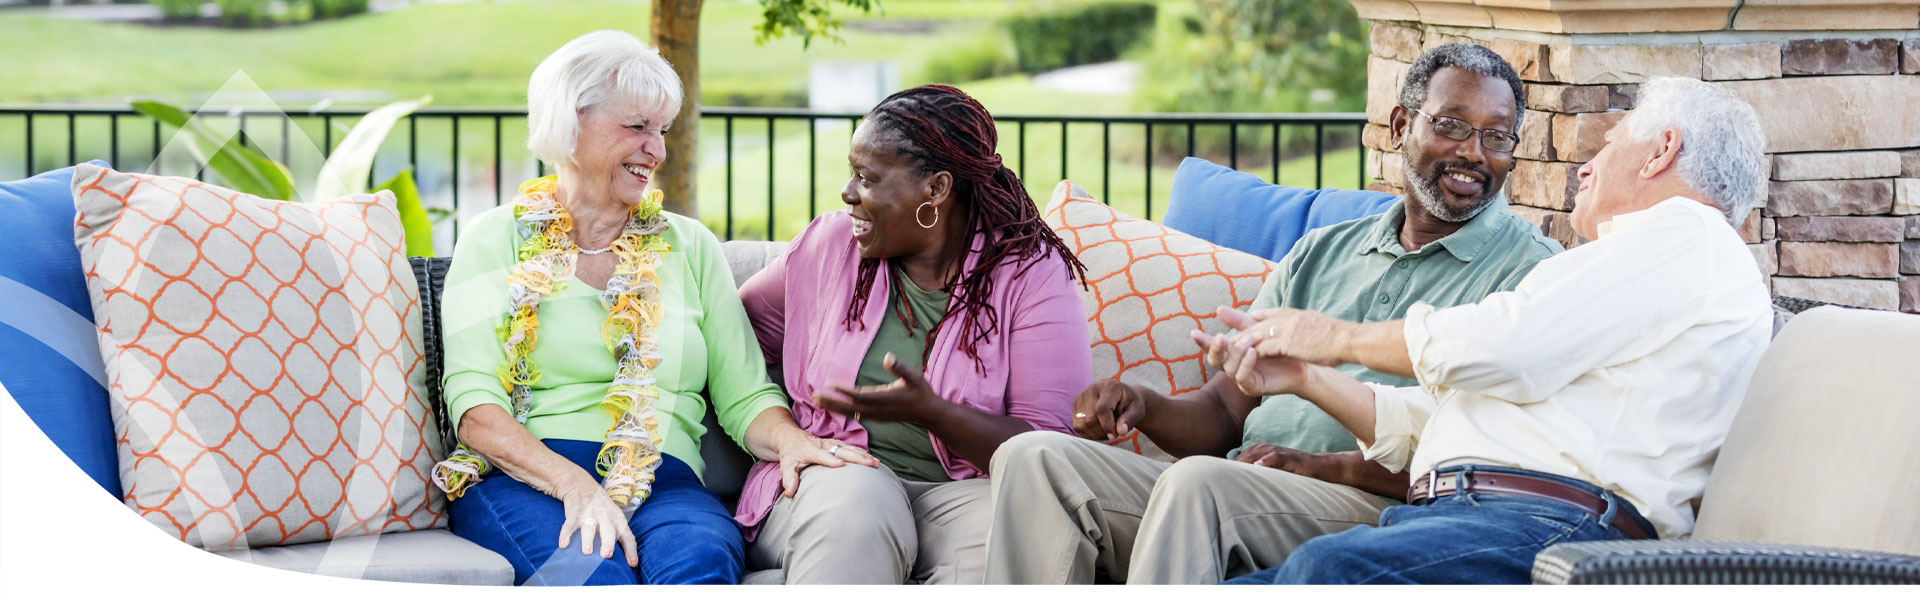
(1035, 362)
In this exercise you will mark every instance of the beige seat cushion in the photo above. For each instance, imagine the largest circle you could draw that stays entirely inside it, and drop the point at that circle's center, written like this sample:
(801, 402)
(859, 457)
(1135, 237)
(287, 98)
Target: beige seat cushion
(1824, 450)
(430, 556)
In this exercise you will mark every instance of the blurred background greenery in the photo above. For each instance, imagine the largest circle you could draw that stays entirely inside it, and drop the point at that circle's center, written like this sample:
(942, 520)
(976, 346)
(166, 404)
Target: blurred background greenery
(1199, 56)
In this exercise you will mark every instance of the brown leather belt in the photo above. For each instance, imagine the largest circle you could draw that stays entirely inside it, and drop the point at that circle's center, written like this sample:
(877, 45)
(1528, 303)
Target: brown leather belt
(1489, 482)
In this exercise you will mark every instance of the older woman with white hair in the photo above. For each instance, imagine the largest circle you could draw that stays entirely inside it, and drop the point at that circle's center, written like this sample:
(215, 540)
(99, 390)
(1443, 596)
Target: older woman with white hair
(582, 322)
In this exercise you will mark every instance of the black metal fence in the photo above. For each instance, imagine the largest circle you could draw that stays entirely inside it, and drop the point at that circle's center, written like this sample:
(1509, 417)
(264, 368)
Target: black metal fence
(463, 175)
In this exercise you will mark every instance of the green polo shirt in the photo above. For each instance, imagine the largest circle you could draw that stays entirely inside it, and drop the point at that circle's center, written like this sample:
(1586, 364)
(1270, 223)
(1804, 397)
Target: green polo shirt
(1357, 271)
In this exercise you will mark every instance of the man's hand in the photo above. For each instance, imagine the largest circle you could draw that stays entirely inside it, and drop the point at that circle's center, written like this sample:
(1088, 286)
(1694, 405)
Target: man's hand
(1345, 468)
(1255, 375)
(1305, 464)
(1108, 409)
(1302, 334)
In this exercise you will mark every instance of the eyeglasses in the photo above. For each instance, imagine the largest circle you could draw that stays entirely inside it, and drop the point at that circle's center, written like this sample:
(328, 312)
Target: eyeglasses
(1458, 130)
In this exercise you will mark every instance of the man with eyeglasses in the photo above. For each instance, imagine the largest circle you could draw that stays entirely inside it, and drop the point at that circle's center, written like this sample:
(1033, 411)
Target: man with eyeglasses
(1069, 509)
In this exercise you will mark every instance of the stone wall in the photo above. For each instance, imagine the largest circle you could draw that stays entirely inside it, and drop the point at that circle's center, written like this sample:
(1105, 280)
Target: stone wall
(1838, 93)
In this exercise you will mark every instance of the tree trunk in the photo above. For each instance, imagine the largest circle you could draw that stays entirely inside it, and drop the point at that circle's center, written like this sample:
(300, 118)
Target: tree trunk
(675, 29)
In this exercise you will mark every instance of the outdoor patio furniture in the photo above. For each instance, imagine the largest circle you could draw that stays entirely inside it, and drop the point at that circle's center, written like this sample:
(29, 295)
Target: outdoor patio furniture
(1815, 482)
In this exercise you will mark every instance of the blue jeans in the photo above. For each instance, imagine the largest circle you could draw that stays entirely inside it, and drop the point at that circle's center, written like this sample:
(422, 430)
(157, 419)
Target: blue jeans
(685, 535)
(1459, 539)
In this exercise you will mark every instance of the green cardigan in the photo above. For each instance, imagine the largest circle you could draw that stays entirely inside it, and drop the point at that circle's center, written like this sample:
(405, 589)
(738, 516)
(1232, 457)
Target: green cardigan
(706, 342)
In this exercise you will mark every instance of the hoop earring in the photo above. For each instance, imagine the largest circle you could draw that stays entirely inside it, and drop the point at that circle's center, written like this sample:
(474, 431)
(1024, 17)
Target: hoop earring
(936, 215)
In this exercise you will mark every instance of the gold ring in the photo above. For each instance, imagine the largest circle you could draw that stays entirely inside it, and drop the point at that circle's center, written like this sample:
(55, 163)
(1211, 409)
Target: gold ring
(856, 416)
(1079, 415)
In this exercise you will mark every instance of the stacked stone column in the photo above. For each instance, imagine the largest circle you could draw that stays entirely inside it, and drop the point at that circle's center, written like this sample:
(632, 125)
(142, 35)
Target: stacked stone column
(1838, 95)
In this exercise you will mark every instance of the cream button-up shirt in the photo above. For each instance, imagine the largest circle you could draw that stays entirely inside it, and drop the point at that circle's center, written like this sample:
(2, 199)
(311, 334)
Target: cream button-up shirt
(1620, 362)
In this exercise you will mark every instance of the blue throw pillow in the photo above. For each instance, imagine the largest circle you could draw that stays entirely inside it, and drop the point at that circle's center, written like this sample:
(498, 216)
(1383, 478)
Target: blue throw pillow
(1239, 211)
(49, 354)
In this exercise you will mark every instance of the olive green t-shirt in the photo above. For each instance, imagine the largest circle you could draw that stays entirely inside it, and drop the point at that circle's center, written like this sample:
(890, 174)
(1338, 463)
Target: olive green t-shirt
(1358, 271)
(904, 447)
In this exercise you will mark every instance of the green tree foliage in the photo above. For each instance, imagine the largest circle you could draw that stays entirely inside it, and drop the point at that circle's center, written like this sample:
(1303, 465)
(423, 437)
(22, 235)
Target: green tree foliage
(804, 18)
(1258, 56)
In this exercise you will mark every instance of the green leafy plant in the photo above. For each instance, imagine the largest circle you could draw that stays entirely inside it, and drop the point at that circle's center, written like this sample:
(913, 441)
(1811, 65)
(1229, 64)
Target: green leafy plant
(413, 215)
(805, 18)
(243, 168)
(345, 172)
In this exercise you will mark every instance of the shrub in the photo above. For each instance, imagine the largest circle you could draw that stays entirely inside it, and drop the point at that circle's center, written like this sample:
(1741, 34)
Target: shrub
(334, 9)
(1256, 56)
(769, 95)
(243, 13)
(983, 57)
(177, 10)
(1087, 34)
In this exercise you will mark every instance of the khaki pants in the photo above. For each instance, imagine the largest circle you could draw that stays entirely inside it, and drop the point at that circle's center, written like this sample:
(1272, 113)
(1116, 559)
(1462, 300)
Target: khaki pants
(860, 525)
(1065, 507)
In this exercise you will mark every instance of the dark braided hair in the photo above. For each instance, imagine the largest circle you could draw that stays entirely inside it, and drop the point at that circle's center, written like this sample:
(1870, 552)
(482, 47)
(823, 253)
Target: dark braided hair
(940, 128)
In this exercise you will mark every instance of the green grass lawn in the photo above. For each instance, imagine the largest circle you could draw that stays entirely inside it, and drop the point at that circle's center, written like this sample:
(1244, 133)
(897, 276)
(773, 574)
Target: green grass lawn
(473, 54)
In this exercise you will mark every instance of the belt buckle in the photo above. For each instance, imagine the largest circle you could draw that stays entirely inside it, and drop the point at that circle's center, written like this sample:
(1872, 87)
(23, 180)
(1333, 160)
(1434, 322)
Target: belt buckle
(1433, 484)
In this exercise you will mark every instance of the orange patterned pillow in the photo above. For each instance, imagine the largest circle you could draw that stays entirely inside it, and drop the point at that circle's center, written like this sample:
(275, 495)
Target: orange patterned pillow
(263, 358)
(1150, 286)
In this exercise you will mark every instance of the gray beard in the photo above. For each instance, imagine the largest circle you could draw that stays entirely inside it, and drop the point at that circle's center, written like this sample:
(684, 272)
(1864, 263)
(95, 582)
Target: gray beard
(1426, 190)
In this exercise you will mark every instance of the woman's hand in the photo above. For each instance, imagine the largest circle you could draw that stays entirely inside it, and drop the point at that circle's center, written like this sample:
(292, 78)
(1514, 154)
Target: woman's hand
(802, 449)
(591, 512)
(907, 400)
(773, 436)
(488, 430)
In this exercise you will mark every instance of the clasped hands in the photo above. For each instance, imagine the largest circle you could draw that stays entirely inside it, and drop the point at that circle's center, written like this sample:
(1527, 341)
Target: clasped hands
(1271, 351)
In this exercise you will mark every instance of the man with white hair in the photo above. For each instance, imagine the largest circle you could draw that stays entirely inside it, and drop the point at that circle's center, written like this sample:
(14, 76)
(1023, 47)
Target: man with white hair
(1587, 404)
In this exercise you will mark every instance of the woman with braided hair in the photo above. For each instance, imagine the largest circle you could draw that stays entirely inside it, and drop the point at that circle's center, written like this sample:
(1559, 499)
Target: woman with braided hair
(582, 323)
(926, 324)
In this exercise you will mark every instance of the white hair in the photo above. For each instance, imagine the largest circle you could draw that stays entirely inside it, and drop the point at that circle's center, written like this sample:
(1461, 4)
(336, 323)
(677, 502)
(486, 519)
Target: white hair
(604, 66)
(1722, 149)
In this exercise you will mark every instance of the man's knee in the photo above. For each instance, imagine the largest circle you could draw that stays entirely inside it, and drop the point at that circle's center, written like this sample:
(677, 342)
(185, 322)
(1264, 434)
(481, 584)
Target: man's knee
(1050, 452)
(1032, 448)
(1194, 477)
